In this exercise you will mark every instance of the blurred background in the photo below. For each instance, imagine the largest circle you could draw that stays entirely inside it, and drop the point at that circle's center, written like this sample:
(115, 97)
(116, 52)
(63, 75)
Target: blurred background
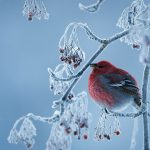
(27, 49)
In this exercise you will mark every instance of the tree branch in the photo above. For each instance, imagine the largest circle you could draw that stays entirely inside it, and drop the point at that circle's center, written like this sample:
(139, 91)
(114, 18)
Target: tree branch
(63, 79)
(132, 115)
(91, 34)
(144, 98)
(49, 120)
(91, 8)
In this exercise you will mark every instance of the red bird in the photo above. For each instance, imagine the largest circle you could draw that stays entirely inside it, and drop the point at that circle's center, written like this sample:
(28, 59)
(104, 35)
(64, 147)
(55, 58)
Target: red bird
(113, 88)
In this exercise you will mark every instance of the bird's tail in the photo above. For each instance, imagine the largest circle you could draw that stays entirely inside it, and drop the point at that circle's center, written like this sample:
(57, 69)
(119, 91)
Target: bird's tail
(134, 133)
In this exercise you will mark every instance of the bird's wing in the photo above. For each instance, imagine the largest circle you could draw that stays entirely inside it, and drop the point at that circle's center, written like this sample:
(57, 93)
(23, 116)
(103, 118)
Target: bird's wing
(126, 84)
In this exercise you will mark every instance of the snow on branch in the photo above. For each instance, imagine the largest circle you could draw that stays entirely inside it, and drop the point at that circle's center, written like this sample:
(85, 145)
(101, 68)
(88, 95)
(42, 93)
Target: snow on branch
(91, 8)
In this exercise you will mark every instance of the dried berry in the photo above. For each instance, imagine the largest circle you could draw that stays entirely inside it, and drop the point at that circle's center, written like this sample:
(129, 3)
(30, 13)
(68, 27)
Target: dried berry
(136, 46)
(85, 136)
(117, 132)
(75, 132)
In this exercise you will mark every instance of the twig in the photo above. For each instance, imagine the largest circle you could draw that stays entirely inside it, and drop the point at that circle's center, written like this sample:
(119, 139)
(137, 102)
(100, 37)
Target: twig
(63, 79)
(49, 120)
(91, 34)
(144, 98)
(132, 115)
(91, 8)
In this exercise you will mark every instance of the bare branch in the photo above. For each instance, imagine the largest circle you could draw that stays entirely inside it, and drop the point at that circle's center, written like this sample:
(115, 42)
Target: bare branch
(91, 8)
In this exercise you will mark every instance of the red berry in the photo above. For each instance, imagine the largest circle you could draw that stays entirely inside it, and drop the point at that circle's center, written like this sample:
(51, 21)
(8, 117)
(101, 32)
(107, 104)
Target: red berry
(61, 50)
(68, 130)
(61, 124)
(85, 136)
(100, 137)
(30, 18)
(62, 58)
(136, 46)
(29, 145)
(75, 133)
(70, 96)
(117, 132)
(82, 125)
(75, 65)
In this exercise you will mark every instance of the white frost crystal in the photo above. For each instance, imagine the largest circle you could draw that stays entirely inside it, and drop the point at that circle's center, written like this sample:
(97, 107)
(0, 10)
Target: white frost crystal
(136, 18)
(58, 139)
(26, 134)
(61, 71)
(34, 9)
(69, 47)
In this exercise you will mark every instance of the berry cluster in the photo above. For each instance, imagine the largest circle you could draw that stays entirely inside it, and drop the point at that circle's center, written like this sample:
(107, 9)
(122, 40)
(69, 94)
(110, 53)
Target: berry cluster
(26, 134)
(69, 47)
(58, 139)
(105, 129)
(75, 122)
(61, 71)
(33, 9)
(72, 55)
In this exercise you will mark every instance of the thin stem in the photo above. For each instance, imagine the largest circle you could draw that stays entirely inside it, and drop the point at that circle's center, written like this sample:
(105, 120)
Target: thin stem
(91, 8)
(63, 79)
(132, 115)
(144, 98)
(91, 34)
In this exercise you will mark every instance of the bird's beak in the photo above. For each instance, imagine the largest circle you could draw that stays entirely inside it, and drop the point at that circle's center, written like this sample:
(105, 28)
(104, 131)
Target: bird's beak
(93, 65)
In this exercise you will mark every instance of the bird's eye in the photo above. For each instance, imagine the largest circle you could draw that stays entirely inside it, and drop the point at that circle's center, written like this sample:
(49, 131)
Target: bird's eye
(100, 66)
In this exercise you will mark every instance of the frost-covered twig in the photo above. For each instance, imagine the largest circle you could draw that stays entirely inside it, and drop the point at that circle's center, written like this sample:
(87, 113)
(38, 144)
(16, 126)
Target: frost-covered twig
(91, 34)
(144, 98)
(24, 130)
(91, 8)
(132, 115)
(63, 79)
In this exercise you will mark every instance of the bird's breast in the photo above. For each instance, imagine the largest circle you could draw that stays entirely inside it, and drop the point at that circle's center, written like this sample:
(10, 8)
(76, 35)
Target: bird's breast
(106, 95)
(97, 91)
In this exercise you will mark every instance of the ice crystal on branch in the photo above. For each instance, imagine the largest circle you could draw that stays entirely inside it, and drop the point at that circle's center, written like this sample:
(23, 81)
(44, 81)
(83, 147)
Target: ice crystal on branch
(76, 116)
(136, 18)
(58, 139)
(34, 9)
(26, 134)
(91, 8)
(61, 71)
(69, 47)
(128, 20)
(74, 121)
(106, 127)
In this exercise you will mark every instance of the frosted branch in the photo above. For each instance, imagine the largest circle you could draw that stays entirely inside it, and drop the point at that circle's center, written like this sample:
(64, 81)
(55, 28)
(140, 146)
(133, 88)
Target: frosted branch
(91, 8)
(132, 115)
(144, 98)
(62, 79)
(91, 34)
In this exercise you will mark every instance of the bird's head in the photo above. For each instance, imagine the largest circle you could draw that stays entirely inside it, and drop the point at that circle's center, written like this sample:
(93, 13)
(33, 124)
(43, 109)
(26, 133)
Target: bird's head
(102, 67)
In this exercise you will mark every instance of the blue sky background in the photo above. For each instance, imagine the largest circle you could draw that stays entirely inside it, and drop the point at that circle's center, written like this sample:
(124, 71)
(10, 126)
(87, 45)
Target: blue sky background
(27, 49)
